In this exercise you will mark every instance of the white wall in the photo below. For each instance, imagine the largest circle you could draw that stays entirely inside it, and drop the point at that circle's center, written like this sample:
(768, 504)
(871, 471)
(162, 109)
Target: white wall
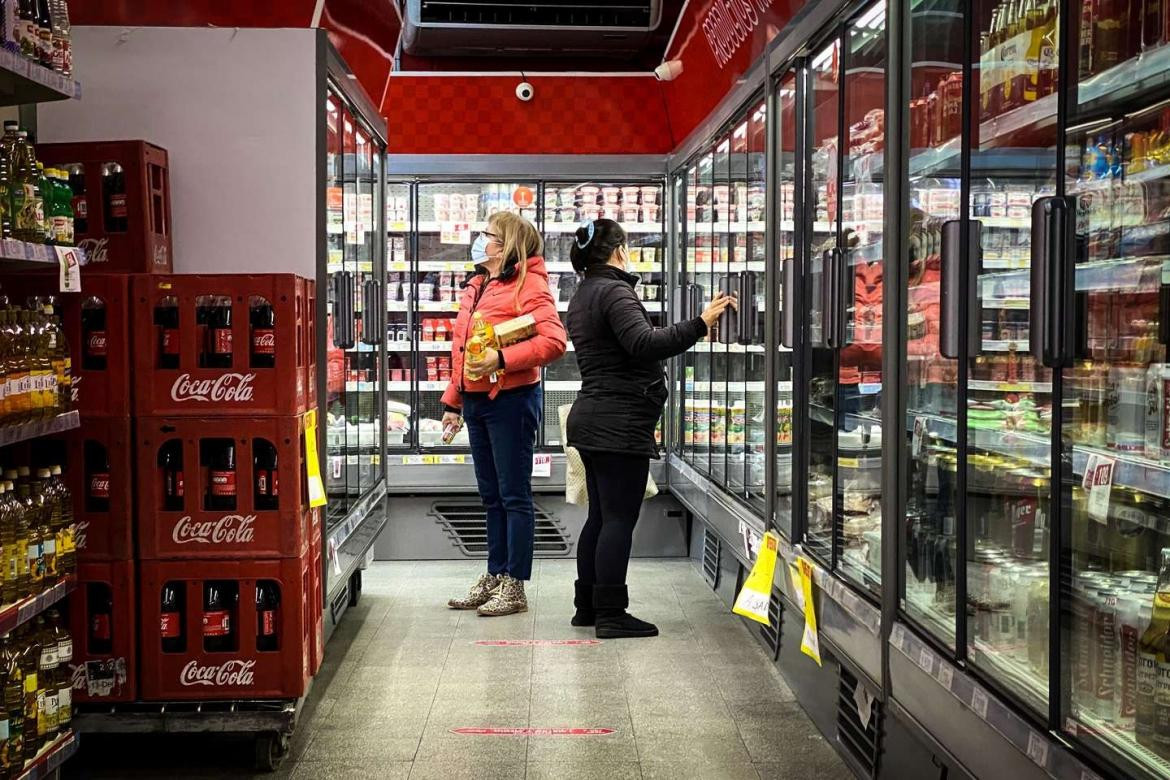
(235, 109)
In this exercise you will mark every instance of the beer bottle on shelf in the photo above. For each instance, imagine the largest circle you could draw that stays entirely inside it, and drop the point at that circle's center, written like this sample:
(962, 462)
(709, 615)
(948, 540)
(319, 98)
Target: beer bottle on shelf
(44, 33)
(114, 198)
(218, 626)
(170, 460)
(101, 618)
(94, 341)
(97, 478)
(267, 611)
(66, 541)
(12, 704)
(46, 682)
(62, 37)
(30, 658)
(166, 320)
(79, 202)
(217, 351)
(28, 28)
(221, 478)
(59, 634)
(1152, 727)
(263, 325)
(172, 626)
(264, 466)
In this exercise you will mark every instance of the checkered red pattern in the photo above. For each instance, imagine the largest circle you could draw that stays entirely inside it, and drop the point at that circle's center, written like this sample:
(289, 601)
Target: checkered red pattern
(441, 114)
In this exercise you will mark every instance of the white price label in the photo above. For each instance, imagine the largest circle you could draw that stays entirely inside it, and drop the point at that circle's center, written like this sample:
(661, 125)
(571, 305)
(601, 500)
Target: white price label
(926, 661)
(542, 465)
(69, 263)
(979, 703)
(1038, 749)
(1101, 486)
(919, 437)
(946, 676)
(455, 233)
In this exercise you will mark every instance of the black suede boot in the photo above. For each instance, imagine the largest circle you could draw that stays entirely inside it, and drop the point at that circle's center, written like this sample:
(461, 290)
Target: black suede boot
(613, 622)
(583, 601)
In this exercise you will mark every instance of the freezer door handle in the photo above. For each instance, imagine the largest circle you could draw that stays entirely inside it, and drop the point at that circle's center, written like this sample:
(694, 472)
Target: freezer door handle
(343, 310)
(373, 315)
(1052, 316)
(749, 313)
(834, 312)
(951, 298)
(787, 306)
(729, 321)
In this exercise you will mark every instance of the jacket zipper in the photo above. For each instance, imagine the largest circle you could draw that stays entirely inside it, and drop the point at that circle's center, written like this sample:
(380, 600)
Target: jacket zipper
(467, 329)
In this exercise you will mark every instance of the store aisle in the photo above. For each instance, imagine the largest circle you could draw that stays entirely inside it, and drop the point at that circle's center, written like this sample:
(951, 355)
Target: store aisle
(702, 700)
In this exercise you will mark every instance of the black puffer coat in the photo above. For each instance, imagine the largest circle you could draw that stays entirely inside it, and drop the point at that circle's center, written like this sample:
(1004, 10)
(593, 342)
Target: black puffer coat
(620, 354)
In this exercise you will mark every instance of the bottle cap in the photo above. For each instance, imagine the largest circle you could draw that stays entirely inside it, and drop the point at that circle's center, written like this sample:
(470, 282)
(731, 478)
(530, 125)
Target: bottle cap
(44, 473)
(55, 471)
(23, 471)
(11, 124)
(10, 474)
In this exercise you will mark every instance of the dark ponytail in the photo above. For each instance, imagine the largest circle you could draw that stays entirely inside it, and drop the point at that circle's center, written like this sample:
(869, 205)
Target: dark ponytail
(595, 242)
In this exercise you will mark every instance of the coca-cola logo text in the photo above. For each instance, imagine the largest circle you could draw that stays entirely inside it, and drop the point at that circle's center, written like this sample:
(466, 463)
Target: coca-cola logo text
(95, 249)
(225, 387)
(229, 529)
(97, 342)
(264, 339)
(238, 673)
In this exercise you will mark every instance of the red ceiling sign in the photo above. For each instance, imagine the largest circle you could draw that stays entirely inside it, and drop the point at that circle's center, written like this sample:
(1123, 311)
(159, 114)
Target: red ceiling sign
(717, 41)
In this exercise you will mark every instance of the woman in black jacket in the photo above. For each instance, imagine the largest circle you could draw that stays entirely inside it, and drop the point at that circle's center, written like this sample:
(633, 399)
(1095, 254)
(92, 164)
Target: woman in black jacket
(623, 389)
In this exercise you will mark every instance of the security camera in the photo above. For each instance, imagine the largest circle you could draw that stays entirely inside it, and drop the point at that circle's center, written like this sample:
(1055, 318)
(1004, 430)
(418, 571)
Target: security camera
(669, 70)
(525, 91)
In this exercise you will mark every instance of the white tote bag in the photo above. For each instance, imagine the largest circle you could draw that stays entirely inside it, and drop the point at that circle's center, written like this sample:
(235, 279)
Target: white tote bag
(576, 491)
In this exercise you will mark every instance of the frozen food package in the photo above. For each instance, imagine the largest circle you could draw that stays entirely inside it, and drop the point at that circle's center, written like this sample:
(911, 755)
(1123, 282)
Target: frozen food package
(515, 329)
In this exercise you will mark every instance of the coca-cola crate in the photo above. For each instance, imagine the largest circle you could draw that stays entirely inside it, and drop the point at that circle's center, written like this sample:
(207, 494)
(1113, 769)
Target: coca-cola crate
(186, 488)
(104, 626)
(121, 202)
(317, 597)
(219, 655)
(97, 326)
(190, 360)
(97, 462)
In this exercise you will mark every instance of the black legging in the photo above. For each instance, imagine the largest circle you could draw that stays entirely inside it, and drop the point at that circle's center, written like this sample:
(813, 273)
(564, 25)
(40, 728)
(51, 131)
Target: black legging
(616, 484)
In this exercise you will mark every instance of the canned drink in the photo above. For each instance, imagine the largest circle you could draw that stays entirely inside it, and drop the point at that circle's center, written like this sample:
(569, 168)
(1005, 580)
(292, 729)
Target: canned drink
(1105, 647)
(451, 430)
(1037, 630)
(1130, 629)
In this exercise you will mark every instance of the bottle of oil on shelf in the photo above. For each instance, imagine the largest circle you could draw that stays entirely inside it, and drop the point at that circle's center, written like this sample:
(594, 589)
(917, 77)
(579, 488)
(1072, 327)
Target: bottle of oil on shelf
(11, 706)
(30, 657)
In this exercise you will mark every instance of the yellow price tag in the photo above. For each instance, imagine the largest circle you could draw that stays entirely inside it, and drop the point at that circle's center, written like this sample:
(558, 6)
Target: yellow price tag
(849, 463)
(753, 599)
(802, 578)
(312, 465)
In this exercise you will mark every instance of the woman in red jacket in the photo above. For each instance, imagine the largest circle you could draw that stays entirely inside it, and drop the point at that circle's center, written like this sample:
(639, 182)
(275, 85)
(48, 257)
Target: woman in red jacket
(502, 408)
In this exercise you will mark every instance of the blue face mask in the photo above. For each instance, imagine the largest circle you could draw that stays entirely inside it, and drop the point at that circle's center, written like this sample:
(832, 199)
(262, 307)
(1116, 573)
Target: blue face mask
(479, 253)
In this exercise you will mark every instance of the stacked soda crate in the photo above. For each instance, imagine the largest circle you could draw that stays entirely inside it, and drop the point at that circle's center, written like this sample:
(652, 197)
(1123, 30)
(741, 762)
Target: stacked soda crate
(229, 544)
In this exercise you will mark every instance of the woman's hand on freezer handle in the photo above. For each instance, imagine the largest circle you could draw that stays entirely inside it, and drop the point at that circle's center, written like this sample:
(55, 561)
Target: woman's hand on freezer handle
(716, 307)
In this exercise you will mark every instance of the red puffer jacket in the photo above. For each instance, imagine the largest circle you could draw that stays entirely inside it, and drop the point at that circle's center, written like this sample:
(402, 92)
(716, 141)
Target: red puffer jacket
(495, 299)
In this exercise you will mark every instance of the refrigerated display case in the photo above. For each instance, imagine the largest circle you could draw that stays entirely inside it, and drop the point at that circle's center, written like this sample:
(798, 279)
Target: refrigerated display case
(352, 335)
(400, 342)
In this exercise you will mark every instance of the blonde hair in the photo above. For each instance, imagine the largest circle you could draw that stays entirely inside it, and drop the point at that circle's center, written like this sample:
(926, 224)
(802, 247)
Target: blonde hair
(521, 240)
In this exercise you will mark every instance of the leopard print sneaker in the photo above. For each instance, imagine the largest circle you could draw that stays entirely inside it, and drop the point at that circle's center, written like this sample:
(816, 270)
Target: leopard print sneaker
(480, 593)
(507, 599)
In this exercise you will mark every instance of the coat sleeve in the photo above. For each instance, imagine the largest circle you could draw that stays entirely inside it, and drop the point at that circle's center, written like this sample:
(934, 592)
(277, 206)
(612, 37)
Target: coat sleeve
(452, 398)
(642, 340)
(548, 344)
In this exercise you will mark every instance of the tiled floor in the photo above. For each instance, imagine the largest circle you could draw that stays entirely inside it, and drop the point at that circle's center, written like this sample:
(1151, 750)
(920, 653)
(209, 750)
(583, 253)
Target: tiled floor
(702, 700)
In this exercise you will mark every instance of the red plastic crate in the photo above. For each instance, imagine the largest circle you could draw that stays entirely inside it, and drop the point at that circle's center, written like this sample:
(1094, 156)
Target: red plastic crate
(243, 672)
(96, 391)
(287, 388)
(243, 532)
(317, 598)
(142, 244)
(102, 534)
(104, 642)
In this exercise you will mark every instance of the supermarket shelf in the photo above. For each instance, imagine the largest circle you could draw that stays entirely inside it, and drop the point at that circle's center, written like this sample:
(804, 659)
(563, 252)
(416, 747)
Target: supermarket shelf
(721, 348)
(427, 306)
(433, 387)
(436, 265)
(1037, 114)
(1005, 346)
(1147, 71)
(31, 430)
(23, 82)
(651, 306)
(1119, 274)
(563, 385)
(437, 227)
(25, 610)
(727, 387)
(629, 227)
(638, 268)
(1121, 740)
(422, 346)
(50, 757)
(1009, 387)
(1007, 303)
(23, 255)
(1153, 173)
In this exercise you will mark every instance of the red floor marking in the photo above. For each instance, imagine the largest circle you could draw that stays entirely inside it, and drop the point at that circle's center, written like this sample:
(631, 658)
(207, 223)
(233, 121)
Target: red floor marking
(531, 732)
(535, 642)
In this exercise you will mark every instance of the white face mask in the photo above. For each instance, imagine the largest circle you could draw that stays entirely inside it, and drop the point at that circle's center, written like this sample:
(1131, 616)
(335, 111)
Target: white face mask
(479, 253)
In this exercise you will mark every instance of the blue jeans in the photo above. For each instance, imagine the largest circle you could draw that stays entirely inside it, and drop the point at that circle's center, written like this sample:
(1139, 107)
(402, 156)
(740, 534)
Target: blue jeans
(503, 437)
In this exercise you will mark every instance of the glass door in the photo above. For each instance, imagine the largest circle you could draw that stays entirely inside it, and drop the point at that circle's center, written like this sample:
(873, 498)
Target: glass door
(338, 337)
(860, 271)
(1008, 398)
(450, 215)
(399, 333)
(822, 222)
(932, 369)
(783, 216)
(723, 372)
(1115, 375)
(704, 283)
(638, 207)
(752, 294)
(365, 357)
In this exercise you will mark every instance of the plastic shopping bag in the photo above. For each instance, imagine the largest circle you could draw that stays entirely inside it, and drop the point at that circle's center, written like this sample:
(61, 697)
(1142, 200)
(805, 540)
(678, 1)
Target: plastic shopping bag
(576, 491)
